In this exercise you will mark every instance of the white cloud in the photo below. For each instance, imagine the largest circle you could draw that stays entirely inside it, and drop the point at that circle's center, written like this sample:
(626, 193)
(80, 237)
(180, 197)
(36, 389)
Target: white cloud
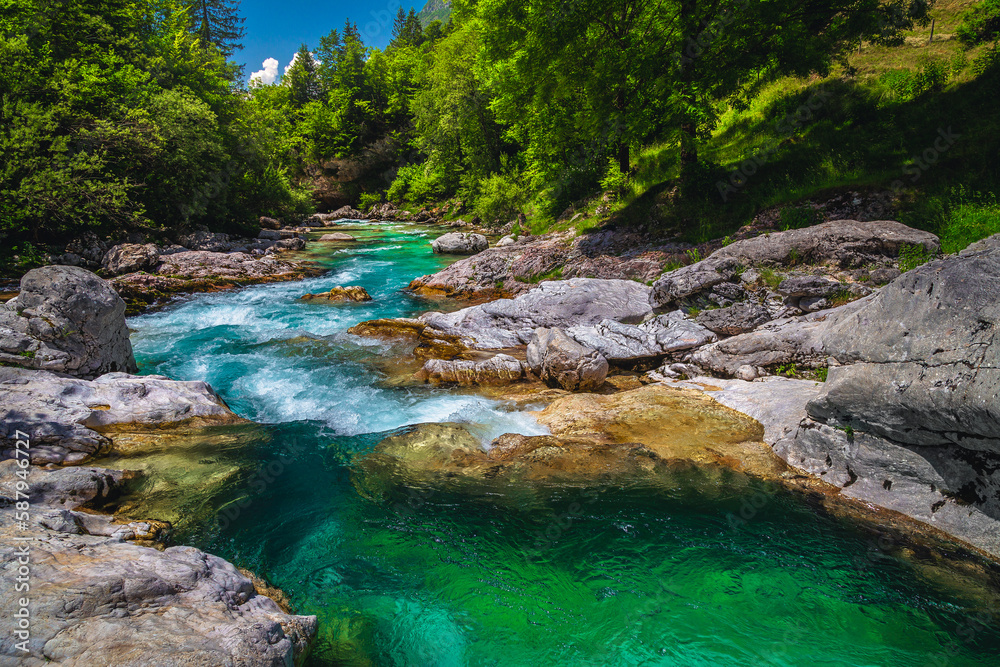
(268, 75)
(289, 65)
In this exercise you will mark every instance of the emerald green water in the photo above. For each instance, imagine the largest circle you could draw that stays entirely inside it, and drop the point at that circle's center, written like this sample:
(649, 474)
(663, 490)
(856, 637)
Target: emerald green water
(616, 576)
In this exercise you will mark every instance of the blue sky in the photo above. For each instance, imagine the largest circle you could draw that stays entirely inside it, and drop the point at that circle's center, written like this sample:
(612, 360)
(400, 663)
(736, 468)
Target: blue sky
(276, 30)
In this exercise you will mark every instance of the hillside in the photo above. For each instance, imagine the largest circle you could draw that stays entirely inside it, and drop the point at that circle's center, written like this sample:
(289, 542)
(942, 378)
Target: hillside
(435, 10)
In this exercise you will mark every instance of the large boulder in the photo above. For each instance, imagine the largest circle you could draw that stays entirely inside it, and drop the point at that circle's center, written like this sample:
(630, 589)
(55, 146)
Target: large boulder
(131, 257)
(68, 320)
(230, 265)
(344, 213)
(561, 304)
(921, 360)
(460, 243)
(909, 417)
(841, 243)
(559, 361)
(66, 417)
(501, 369)
(655, 338)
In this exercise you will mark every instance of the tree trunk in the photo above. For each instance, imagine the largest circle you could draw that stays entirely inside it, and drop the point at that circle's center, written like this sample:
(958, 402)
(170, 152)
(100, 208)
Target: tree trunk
(624, 160)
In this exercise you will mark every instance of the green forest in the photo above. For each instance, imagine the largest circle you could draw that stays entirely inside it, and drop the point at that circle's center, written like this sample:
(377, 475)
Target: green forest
(680, 117)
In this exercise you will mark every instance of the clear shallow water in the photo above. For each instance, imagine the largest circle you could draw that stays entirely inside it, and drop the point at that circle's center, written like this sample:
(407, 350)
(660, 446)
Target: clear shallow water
(552, 576)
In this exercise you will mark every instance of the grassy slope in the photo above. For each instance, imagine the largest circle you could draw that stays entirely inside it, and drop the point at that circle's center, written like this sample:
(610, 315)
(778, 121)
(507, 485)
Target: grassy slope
(869, 129)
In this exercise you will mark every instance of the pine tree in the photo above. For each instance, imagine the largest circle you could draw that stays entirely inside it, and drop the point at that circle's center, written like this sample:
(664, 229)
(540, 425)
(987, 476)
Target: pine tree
(302, 77)
(413, 32)
(217, 22)
(398, 26)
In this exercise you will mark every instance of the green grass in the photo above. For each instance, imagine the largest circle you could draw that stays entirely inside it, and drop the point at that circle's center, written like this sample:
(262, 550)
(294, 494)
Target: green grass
(967, 217)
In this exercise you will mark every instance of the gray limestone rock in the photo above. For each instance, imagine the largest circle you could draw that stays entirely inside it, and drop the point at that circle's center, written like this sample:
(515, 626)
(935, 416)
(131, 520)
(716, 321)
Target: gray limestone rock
(68, 320)
(560, 361)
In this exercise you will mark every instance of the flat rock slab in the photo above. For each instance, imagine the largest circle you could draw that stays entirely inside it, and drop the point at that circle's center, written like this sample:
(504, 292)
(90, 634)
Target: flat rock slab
(65, 416)
(557, 304)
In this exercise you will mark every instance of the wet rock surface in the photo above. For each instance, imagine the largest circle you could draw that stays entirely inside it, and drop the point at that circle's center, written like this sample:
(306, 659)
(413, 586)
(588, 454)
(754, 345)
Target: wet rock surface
(460, 243)
(66, 417)
(340, 294)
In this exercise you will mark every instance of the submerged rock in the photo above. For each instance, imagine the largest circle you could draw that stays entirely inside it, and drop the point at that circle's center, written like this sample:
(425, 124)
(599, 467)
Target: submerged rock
(560, 361)
(352, 293)
(67, 320)
(460, 243)
(649, 435)
(428, 341)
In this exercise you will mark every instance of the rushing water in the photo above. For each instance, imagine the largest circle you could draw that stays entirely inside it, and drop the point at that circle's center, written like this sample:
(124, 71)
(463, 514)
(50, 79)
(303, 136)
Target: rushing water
(634, 576)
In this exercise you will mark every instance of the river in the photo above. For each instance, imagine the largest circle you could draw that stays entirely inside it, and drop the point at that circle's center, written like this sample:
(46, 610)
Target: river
(617, 576)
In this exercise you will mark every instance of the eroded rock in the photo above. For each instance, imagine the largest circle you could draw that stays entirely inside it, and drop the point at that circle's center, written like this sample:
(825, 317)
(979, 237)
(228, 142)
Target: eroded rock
(351, 293)
(65, 417)
(559, 304)
(560, 361)
(68, 320)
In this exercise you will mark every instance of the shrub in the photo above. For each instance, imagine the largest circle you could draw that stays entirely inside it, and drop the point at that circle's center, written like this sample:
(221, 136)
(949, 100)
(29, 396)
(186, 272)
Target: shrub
(369, 199)
(980, 24)
(500, 198)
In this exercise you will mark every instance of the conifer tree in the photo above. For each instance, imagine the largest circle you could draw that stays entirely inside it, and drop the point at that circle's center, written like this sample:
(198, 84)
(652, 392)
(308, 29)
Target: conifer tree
(218, 22)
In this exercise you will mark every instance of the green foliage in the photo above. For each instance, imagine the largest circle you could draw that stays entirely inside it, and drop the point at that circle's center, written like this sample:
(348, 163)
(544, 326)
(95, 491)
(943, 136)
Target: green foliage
(500, 199)
(693, 255)
(822, 373)
(912, 256)
(615, 180)
(967, 217)
(788, 370)
(367, 200)
(980, 24)
(904, 84)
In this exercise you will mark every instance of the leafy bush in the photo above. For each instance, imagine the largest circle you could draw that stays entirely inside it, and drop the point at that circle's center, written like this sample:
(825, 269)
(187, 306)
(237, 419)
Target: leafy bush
(501, 196)
(980, 24)
(367, 200)
(614, 180)
(905, 85)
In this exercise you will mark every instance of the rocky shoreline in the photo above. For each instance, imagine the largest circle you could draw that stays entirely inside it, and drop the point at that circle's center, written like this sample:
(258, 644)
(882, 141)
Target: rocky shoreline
(104, 590)
(810, 359)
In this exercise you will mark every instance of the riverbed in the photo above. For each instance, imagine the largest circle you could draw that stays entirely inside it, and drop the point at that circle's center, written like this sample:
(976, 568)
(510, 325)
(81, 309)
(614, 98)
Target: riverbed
(685, 575)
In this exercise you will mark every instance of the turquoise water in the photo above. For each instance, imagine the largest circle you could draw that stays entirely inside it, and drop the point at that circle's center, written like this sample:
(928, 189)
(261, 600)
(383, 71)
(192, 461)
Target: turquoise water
(633, 576)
